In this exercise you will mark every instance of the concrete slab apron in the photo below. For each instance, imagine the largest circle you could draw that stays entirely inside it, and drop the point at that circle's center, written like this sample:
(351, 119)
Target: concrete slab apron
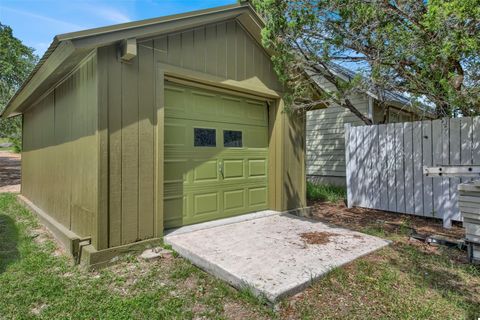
(268, 254)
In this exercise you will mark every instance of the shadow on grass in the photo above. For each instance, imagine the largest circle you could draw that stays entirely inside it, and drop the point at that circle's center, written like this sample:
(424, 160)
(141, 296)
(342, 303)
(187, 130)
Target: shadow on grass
(8, 242)
(440, 274)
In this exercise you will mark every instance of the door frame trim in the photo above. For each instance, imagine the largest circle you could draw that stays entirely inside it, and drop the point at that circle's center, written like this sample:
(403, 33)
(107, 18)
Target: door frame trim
(253, 87)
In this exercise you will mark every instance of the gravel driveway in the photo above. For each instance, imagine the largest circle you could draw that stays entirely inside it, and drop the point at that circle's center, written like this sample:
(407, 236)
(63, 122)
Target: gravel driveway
(9, 171)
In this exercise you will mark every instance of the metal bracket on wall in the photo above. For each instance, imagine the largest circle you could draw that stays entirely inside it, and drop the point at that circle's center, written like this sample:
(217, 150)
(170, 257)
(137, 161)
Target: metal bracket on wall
(467, 171)
(128, 49)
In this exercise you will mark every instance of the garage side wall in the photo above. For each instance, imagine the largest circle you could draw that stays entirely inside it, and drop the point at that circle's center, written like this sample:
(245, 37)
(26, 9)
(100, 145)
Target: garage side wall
(59, 159)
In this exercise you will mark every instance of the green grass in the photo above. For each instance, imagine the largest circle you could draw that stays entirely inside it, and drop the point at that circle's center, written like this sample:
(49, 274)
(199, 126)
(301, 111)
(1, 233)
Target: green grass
(402, 281)
(325, 192)
(36, 281)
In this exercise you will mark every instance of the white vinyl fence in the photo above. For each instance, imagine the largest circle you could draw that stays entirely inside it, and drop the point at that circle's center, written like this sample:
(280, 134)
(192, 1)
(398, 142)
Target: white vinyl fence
(384, 165)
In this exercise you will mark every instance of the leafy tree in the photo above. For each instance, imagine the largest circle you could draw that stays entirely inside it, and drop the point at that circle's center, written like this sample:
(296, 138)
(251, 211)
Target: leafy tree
(16, 63)
(430, 49)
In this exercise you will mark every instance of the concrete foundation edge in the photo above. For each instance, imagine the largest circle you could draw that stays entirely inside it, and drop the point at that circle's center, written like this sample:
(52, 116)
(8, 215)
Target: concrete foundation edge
(216, 271)
(299, 288)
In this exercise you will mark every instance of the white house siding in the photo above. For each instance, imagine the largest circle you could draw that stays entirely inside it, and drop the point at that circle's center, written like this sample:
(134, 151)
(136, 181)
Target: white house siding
(326, 141)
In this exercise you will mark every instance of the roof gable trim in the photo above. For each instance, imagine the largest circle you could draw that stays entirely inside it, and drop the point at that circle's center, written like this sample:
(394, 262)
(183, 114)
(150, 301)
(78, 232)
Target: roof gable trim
(55, 62)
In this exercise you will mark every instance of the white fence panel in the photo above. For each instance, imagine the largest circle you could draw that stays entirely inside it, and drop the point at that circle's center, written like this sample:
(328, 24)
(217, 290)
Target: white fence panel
(437, 141)
(384, 165)
(417, 167)
(427, 162)
(399, 168)
(408, 165)
(454, 160)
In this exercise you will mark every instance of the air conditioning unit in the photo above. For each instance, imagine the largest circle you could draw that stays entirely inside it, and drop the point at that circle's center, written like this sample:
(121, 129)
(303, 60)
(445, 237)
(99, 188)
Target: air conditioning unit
(469, 203)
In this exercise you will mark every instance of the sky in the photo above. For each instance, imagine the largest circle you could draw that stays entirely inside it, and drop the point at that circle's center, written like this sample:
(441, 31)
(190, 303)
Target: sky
(36, 22)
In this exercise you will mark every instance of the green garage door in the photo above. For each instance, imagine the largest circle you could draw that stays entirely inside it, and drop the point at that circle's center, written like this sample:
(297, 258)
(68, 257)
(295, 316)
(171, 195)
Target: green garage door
(216, 148)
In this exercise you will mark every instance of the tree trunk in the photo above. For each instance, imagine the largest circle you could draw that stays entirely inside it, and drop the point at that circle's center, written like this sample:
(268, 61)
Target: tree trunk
(385, 114)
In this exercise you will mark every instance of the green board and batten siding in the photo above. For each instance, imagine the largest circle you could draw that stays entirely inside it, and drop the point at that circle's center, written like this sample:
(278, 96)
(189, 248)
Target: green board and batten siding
(59, 159)
(130, 104)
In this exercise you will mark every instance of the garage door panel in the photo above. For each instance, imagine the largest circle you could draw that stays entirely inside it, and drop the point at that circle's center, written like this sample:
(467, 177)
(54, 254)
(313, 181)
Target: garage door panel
(206, 203)
(257, 168)
(214, 178)
(205, 171)
(177, 134)
(173, 189)
(175, 99)
(256, 137)
(257, 111)
(206, 105)
(231, 107)
(234, 200)
(233, 169)
(203, 105)
(257, 196)
(174, 170)
(174, 208)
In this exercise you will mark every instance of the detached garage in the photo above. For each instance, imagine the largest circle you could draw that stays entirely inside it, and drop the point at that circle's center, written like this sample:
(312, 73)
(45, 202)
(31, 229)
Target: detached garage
(132, 129)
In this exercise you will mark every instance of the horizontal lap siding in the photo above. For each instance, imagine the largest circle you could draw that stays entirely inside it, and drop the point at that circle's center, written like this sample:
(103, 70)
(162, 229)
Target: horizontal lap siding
(59, 159)
(223, 49)
(325, 135)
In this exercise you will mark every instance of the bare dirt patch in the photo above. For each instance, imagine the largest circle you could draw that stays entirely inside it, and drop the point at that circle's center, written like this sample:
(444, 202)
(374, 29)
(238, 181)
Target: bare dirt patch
(235, 310)
(317, 237)
(10, 174)
(359, 218)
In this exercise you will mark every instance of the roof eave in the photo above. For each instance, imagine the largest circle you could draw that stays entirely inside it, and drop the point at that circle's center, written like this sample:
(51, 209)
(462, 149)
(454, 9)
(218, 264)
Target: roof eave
(55, 56)
(145, 23)
(148, 28)
(79, 43)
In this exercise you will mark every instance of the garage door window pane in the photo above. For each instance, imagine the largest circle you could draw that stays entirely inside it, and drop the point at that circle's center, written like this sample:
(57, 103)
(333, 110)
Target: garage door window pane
(204, 137)
(232, 139)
